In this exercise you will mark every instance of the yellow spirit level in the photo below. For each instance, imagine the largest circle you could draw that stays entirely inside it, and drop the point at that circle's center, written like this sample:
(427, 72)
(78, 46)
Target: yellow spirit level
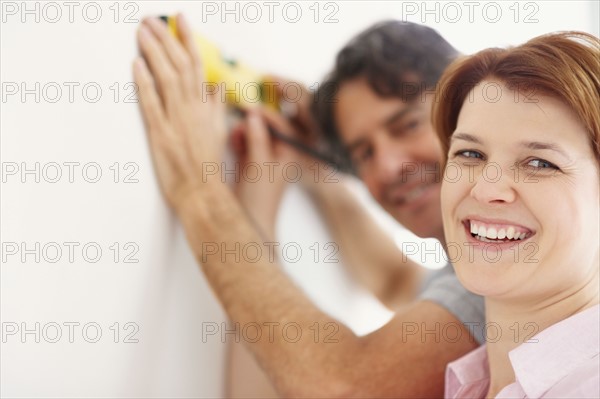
(243, 87)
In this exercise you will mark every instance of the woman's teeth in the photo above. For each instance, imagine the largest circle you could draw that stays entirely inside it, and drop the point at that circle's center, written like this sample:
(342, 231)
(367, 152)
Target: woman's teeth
(489, 233)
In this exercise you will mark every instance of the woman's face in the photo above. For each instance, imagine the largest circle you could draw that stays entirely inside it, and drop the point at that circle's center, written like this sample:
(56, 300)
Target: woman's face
(520, 196)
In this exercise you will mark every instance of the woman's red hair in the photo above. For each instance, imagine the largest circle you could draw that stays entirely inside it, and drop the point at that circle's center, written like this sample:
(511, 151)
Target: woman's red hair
(564, 65)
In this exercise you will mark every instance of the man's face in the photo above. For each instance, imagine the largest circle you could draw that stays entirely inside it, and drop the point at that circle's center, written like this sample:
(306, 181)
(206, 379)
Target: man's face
(396, 154)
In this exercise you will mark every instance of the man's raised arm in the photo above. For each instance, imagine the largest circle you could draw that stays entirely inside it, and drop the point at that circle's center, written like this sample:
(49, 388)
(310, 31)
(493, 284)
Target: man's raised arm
(315, 355)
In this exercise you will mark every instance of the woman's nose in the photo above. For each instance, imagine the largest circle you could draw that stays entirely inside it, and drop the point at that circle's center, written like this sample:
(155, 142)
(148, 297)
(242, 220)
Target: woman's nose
(493, 185)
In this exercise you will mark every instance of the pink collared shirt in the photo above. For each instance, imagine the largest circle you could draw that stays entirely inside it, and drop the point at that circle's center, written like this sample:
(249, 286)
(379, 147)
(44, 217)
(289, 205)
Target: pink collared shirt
(560, 362)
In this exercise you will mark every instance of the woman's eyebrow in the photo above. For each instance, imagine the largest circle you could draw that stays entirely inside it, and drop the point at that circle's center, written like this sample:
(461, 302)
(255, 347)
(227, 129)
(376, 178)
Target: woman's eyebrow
(466, 137)
(538, 145)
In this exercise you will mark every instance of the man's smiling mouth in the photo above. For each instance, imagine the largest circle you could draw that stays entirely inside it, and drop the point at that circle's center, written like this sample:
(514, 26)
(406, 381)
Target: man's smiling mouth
(413, 194)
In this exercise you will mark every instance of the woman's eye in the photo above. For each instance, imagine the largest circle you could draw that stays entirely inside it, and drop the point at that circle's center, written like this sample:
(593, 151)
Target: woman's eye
(469, 154)
(541, 164)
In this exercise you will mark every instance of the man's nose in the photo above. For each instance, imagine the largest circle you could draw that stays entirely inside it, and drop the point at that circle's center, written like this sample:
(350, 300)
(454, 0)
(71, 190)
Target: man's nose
(394, 162)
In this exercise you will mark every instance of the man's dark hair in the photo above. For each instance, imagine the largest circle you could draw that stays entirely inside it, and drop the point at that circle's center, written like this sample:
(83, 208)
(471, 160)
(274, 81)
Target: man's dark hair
(397, 58)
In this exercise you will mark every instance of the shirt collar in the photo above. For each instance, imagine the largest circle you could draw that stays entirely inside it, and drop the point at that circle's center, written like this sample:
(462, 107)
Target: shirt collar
(554, 353)
(469, 376)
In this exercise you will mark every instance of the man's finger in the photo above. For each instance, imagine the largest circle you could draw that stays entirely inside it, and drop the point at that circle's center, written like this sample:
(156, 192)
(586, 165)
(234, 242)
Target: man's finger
(277, 121)
(290, 128)
(164, 74)
(295, 102)
(176, 54)
(258, 140)
(187, 39)
(148, 98)
(237, 139)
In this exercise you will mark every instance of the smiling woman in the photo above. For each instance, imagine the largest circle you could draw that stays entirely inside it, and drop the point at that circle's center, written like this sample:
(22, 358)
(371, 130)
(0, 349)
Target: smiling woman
(522, 127)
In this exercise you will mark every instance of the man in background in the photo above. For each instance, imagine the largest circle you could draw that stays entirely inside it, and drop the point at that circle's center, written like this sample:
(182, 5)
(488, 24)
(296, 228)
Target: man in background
(373, 109)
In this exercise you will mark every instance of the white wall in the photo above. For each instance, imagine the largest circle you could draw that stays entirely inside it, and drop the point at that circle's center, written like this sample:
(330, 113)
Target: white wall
(163, 295)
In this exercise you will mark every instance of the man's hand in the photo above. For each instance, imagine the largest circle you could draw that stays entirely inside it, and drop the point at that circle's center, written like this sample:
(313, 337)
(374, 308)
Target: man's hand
(186, 125)
(263, 163)
(186, 131)
(296, 104)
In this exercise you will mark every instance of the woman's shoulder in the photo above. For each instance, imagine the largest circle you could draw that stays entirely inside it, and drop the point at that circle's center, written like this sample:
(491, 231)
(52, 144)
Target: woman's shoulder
(582, 382)
(562, 360)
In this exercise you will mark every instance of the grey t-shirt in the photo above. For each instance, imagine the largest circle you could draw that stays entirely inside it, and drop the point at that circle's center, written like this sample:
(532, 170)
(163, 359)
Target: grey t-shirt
(442, 287)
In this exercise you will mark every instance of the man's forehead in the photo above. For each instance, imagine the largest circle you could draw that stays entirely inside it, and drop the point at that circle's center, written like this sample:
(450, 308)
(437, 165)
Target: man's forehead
(355, 128)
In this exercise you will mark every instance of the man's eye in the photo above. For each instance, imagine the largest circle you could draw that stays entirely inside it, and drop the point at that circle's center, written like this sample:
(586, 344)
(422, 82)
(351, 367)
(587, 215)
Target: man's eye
(363, 155)
(411, 125)
(408, 127)
(541, 164)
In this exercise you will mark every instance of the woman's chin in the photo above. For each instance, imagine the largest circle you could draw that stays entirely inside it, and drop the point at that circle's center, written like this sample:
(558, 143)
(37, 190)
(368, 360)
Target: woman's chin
(484, 279)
